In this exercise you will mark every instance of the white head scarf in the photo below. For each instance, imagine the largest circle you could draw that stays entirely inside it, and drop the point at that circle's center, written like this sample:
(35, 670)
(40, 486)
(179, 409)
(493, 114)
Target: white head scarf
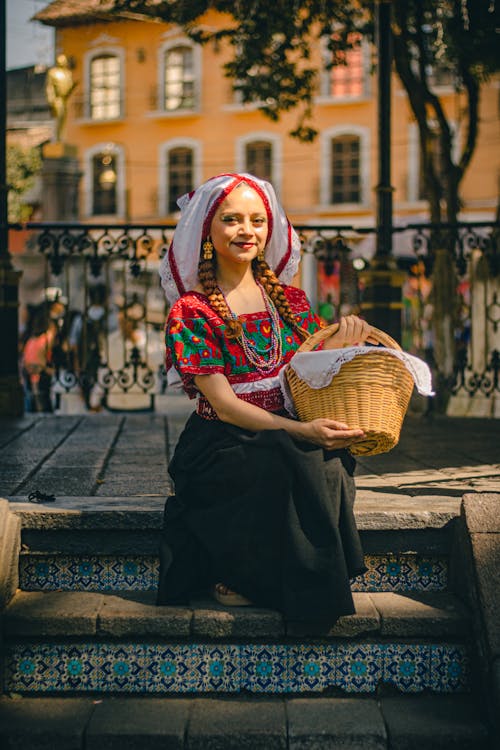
(179, 266)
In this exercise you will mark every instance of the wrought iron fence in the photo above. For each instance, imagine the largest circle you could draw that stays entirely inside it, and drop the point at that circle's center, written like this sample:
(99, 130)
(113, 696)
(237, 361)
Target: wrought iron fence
(96, 290)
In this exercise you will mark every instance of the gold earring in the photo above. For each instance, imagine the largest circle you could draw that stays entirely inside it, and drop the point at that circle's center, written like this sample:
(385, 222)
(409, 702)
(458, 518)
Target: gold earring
(261, 255)
(208, 249)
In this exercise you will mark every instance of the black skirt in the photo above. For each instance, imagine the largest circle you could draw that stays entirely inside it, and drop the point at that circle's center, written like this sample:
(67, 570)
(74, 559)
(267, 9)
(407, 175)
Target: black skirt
(268, 516)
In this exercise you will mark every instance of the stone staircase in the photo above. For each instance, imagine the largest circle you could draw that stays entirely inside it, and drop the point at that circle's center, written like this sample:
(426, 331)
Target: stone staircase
(83, 637)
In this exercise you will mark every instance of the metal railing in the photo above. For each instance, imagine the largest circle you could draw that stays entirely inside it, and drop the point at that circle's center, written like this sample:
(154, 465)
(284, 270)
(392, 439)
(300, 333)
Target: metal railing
(107, 348)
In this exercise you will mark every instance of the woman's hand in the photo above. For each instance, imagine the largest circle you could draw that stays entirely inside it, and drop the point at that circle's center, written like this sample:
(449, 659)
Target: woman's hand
(352, 331)
(330, 434)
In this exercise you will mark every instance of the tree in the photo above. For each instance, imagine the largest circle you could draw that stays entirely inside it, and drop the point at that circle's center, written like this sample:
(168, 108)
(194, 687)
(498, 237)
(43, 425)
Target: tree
(271, 65)
(23, 165)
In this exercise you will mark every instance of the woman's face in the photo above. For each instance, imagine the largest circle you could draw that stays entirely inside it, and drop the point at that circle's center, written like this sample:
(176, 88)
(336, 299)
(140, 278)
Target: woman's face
(239, 227)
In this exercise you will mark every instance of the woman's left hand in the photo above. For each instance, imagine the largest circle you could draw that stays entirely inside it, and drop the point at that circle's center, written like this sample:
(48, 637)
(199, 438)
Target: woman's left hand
(352, 331)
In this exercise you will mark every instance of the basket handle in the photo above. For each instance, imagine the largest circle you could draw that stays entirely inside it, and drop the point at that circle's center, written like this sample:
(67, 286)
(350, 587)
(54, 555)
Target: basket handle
(324, 333)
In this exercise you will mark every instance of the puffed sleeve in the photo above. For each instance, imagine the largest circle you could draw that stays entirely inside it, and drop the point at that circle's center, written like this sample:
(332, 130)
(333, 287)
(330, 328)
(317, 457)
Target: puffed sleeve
(192, 337)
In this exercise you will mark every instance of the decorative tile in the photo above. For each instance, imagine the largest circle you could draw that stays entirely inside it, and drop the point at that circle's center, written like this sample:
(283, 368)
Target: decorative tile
(311, 667)
(190, 668)
(168, 668)
(222, 668)
(402, 573)
(140, 573)
(407, 666)
(208, 668)
(449, 668)
(122, 668)
(264, 669)
(45, 668)
(359, 667)
(88, 573)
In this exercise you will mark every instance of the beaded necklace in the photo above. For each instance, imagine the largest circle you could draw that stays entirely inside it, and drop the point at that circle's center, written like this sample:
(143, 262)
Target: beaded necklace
(267, 359)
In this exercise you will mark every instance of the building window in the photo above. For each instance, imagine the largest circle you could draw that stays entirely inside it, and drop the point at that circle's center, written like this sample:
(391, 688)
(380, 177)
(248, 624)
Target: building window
(105, 87)
(345, 169)
(347, 77)
(179, 79)
(180, 175)
(104, 184)
(259, 159)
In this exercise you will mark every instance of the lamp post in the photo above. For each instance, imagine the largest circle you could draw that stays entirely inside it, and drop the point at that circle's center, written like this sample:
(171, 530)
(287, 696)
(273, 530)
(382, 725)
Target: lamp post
(11, 392)
(382, 298)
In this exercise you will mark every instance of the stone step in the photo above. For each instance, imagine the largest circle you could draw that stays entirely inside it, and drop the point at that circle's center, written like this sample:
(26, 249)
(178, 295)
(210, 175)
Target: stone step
(42, 571)
(147, 723)
(96, 544)
(79, 641)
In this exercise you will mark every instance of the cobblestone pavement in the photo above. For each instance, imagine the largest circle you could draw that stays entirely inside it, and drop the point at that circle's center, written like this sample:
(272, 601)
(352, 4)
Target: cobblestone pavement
(125, 454)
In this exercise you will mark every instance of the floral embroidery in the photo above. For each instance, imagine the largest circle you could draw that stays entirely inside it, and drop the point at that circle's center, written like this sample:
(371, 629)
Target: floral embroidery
(196, 344)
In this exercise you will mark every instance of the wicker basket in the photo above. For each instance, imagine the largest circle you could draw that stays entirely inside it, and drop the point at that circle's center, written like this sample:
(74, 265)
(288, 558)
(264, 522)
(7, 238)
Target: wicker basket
(371, 392)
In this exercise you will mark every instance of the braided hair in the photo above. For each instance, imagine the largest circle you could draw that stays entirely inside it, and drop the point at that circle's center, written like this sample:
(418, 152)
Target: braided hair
(270, 284)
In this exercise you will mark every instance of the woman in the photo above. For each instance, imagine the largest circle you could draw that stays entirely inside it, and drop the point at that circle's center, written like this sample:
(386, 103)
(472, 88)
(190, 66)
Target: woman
(263, 509)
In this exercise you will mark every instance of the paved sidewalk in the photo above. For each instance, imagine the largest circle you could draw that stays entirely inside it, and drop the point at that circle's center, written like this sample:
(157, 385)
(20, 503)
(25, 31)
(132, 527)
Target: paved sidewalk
(126, 454)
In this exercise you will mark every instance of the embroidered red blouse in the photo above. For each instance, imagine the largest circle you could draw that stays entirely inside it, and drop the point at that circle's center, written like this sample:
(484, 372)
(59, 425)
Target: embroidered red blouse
(196, 345)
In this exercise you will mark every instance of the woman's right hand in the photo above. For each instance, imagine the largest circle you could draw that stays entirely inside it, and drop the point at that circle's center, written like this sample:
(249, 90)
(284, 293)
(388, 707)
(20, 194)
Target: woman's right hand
(330, 434)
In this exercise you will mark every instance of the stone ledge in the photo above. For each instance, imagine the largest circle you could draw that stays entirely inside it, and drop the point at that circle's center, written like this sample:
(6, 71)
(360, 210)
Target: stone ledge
(138, 723)
(315, 723)
(482, 512)
(425, 614)
(374, 511)
(434, 723)
(68, 613)
(237, 725)
(10, 543)
(412, 723)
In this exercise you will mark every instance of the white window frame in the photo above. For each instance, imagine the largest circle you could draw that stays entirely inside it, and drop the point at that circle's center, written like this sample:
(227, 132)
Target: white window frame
(87, 64)
(325, 96)
(326, 165)
(277, 154)
(88, 184)
(163, 152)
(197, 69)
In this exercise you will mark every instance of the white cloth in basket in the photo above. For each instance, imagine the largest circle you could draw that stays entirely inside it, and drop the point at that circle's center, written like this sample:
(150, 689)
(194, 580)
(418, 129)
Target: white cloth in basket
(318, 368)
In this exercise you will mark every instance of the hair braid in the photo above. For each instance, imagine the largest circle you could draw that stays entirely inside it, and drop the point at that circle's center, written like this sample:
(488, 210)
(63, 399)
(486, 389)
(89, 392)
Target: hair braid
(275, 291)
(207, 278)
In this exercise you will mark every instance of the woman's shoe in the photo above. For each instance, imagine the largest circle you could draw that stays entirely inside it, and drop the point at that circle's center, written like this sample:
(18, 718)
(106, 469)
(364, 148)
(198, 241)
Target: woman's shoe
(224, 595)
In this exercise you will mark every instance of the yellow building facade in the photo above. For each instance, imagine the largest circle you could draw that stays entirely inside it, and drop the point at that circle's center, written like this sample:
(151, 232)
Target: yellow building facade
(153, 115)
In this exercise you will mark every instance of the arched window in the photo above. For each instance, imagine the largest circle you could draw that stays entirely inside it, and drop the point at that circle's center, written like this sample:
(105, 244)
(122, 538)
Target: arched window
(104, 180)
(259, 159)
(105, 87)
(179, 79)
(345, 180)
(180, 178)
(104, 184)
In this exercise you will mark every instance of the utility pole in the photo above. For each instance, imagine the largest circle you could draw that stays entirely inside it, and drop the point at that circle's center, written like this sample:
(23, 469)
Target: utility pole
(11, 392)
(382, 299)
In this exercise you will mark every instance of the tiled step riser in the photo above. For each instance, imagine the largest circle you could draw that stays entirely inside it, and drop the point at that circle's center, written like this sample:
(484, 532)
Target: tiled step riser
(139, 573)
(360, 667)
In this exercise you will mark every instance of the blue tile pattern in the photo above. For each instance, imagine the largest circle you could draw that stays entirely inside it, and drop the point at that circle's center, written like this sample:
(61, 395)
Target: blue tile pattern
(404, 572)
(88, 573)
(135, 573)
(206, 668)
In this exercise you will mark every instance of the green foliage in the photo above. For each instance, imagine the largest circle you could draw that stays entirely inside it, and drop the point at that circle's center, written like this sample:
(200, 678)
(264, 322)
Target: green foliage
(23, 165)
(271, 44)
(271, 63)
